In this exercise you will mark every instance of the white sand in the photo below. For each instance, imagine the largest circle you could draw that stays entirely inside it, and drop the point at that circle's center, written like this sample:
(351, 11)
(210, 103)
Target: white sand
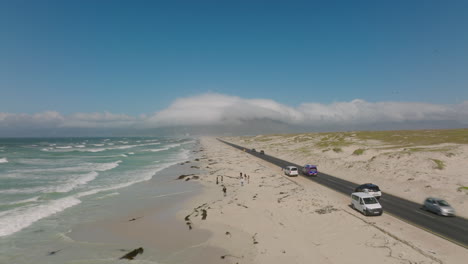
(277, 219)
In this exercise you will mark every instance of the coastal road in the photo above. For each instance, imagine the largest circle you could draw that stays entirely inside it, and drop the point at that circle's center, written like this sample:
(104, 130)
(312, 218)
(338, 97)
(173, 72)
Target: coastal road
(454, 229)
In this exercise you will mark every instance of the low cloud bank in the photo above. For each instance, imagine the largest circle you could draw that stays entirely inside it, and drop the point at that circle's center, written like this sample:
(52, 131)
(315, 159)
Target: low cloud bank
(218, 110)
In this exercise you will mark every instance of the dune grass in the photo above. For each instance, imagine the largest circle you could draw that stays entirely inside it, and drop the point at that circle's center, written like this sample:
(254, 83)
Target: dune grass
(440, 165)
(412, 140)
(358, 152)
(416, 137)
(337, 150)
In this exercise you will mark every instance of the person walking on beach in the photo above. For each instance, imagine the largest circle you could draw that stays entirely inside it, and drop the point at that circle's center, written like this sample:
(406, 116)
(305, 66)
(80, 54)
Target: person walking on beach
(217, 180)
(242, 181)
(224, 190)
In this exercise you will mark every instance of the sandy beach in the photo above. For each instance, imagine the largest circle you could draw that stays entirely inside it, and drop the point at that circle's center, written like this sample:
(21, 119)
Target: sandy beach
(269, 218)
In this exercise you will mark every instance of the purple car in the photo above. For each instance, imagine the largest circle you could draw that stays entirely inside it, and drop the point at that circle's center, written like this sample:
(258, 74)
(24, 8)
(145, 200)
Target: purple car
(309, 170)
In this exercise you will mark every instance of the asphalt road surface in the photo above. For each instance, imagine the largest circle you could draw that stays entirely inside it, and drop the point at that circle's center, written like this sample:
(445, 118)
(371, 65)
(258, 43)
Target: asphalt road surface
(454, 229)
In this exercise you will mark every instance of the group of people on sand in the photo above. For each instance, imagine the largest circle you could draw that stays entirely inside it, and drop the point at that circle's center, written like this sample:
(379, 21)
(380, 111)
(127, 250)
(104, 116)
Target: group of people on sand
(221, 178)
(244, 178)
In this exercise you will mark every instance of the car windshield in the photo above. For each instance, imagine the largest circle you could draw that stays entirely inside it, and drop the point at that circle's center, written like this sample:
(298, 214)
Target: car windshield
(370, 200)
(294, 169)
(373, 188)
(442, 203)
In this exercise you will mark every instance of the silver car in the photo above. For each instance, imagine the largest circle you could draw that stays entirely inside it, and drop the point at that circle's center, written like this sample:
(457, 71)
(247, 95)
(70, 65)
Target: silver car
(438, 206)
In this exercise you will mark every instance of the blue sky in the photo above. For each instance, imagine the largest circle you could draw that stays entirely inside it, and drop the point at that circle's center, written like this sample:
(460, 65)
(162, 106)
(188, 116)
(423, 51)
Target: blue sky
(137, 58)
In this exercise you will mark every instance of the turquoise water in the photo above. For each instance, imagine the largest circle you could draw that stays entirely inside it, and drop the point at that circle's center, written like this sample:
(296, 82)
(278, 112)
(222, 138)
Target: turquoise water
(49, 185)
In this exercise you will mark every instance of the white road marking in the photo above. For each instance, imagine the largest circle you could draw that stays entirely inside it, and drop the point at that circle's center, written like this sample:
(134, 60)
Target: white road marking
(425, 214)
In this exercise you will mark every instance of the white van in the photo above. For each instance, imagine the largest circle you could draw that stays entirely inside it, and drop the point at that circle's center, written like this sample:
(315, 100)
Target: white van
(366, 203)
(291, 171)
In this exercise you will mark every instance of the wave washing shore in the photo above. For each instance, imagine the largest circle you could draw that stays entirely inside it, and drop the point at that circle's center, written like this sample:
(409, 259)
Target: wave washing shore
(49, 185)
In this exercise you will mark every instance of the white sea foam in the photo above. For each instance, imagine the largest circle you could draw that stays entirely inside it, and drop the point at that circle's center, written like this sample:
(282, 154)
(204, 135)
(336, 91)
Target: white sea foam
(26, 190)
(107, 166)
(131, 153)
(64, 147)
(74, 182)
(71, 183)
(82, 167)
(3, 160)
(124, 147)
(43, 161)
(110, 146)
(30, 200)
(152, 140)
(19, 218)
(141, 176)
(93, 150)
(157, 150)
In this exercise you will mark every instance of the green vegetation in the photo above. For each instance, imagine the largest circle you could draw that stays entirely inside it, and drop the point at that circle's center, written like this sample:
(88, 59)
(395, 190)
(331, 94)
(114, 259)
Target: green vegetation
(337, 140)
(337, 150)
(264, 139)
(304, 150)
(429, 149)
(301, 139)
(439, 164)
(358, 152)
(416, 137)
(411, 140)
(463, 188)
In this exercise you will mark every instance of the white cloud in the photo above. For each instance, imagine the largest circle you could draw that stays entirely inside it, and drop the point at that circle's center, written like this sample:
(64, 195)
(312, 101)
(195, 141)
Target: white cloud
(219, 109)
(216, 109)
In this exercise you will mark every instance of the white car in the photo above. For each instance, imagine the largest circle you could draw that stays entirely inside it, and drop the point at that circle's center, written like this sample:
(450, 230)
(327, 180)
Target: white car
(291, 171)
(366, 203)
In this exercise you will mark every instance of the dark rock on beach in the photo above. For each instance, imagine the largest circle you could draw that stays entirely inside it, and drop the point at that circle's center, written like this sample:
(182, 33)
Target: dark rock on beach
(132, 254)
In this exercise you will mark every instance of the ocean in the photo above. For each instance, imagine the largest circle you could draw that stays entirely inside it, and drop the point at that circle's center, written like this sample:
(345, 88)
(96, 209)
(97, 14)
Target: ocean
(49, 185)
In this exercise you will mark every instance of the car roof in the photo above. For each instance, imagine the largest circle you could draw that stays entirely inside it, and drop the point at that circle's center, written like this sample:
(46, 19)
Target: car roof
(434, 198)
(290, 166)
(362, 194)
(368, 185)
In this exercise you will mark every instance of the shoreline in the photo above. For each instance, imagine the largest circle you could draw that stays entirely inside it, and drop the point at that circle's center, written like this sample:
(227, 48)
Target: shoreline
(154, 224)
